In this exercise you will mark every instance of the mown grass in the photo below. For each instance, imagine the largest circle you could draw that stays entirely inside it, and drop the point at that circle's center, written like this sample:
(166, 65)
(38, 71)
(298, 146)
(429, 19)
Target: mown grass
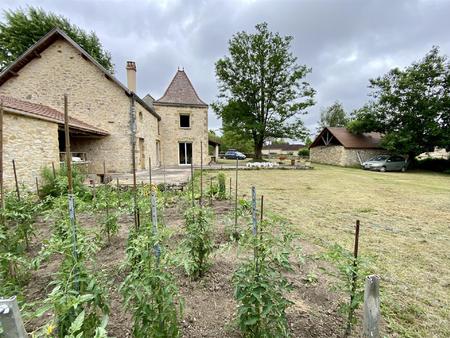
(405, 230)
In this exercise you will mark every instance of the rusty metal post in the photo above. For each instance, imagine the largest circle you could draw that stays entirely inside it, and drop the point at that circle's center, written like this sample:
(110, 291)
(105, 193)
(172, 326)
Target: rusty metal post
(2, 204)
(53, 170)
(210, 190)
(133, 159)
(192, 180)
(15, 179)
(37, 186)
(201, 173)
(262, 209)
(236, 198)
(104, 171)
(150, 171)
(70, 192)
(354, 280)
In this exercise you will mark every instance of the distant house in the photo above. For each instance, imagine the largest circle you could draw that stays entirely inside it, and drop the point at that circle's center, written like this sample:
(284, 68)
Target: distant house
(338, 146)
(282, 149)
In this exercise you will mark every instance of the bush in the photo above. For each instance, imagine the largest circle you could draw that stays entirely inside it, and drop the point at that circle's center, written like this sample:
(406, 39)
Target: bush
(439, 165)
(222, 193)
(54, 186)
(304, 152)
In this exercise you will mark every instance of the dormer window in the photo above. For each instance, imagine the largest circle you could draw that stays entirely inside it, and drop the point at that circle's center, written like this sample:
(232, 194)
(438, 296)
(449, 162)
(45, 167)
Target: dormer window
(185, 121)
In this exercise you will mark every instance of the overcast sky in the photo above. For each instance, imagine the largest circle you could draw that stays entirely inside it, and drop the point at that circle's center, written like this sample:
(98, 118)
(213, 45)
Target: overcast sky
(345, 42)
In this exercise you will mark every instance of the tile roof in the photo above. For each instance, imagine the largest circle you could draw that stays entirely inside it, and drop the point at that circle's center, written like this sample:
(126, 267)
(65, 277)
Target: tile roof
(181, 92)
(47, 113)
(284, 146)
(349, 140)
(47, 40)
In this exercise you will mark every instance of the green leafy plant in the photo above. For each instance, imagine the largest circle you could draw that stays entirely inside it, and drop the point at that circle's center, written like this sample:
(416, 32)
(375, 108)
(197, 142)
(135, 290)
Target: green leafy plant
(198, 244)
(260, 285)
(56, 185)
(350, 274)
(107, 201)
(149, 289)
(78, 299)
(222, 189)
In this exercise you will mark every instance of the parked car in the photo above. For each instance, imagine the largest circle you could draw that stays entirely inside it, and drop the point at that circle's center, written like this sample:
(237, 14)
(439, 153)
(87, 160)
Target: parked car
(233, 154)
(385, 163)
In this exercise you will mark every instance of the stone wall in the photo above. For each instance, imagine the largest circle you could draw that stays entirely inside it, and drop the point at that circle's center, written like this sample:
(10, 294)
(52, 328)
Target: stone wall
(172, 134)
(32, 143)
(92, 98)
(338, 155)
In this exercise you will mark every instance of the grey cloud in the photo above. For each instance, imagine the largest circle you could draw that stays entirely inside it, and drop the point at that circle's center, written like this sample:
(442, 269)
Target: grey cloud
(345, 42)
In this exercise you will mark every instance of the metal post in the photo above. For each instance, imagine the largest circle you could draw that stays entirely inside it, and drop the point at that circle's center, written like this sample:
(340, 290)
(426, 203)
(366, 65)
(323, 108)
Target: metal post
(133, 162)
(70, 191)
(192, 180)
(230, 188)
(15, 178)
(262, 209)
(150, 171)
(53, 170)
(210, 190)
(2, 204)
(37, 186)
(104, 171)
(354, 280)
(155, 225)
(201, 173)
(236, 198)
(371, 317)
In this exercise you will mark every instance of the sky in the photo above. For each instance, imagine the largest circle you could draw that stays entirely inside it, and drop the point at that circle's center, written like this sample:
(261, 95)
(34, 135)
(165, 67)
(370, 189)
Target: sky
(345, 42)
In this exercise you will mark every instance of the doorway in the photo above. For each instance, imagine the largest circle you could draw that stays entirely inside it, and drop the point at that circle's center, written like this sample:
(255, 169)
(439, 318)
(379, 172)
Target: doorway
(185, 152)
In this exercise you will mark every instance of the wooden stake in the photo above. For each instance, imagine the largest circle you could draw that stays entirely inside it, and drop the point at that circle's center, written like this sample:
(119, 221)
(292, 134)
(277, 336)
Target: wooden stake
(15, 178)
(371, 317)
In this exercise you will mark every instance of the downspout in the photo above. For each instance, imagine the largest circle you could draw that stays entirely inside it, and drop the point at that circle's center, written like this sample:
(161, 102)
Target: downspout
(133, 156)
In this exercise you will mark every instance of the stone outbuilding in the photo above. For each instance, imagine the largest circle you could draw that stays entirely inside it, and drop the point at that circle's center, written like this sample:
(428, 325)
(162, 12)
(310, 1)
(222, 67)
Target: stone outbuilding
(338, 146)
(282, 149)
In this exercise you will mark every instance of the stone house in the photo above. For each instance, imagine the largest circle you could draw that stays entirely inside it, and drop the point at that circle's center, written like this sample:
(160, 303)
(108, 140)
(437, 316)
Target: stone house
(338, 146)
(282, 149)
(110, 111)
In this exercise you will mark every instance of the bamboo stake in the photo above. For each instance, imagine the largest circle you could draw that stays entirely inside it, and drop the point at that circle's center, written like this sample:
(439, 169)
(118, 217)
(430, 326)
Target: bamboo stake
(15, 178)
(70, 193)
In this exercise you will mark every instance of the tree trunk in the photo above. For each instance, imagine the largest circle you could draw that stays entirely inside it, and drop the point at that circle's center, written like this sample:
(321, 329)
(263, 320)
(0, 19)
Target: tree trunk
(258, 150)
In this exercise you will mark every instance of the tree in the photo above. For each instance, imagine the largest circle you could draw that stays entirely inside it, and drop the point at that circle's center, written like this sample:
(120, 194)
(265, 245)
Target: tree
(23, 28)
(262, 88)
(333, 116)
(411, 107)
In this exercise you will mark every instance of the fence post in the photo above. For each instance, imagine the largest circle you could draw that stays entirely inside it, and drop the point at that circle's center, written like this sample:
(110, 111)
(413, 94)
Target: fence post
(371, 307)
(15, 178)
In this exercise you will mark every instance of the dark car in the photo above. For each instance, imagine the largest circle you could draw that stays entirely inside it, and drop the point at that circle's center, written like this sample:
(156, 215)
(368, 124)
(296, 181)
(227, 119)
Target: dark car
(385, 163)
(233, 154)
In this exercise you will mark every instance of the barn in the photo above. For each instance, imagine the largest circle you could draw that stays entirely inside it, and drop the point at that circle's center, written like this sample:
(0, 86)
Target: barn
(338, 146)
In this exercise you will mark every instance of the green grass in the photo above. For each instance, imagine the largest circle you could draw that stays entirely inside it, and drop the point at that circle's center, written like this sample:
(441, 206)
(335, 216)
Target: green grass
(405, 229)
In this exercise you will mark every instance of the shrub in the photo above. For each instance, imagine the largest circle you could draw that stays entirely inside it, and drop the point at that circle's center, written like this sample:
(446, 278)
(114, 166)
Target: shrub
(54, 186)
(222, 190)
(304, 152)
(439, 165)
(198, 243)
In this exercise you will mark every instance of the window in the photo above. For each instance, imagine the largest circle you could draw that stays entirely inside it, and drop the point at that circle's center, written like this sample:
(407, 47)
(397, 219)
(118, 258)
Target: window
(141, 118)
(185, 121)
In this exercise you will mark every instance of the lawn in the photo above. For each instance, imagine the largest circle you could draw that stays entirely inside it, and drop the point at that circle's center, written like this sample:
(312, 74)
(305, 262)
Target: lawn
(405, 231)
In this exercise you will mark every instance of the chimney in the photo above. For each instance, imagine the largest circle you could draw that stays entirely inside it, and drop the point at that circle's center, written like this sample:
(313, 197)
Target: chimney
(131, 76)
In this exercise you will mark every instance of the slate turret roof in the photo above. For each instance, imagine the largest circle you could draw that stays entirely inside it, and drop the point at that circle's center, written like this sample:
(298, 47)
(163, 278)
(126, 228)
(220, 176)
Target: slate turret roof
(181, 92)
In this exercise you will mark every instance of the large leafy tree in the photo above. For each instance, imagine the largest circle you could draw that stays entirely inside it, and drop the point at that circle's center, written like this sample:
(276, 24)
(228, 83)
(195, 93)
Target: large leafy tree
(411, 107)
(22, 28)
(333, 116)
(262, 88)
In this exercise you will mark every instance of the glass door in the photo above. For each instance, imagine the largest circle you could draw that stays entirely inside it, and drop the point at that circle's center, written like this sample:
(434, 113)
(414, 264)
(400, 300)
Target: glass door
(185, 152)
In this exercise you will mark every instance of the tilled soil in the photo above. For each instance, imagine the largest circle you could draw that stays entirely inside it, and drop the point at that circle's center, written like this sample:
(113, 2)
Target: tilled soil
(209, 305)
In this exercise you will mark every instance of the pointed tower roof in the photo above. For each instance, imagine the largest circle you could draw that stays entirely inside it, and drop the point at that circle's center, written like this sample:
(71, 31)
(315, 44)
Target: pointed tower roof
(181, 92)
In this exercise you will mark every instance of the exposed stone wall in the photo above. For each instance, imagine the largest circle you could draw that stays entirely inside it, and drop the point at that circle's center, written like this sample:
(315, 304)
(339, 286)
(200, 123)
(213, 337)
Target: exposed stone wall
(172, 134)
(92, 98)
(338, 155)
(32, 143)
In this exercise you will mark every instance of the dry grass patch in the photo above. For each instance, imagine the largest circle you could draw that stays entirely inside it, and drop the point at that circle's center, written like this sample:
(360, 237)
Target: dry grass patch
(405, 228)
